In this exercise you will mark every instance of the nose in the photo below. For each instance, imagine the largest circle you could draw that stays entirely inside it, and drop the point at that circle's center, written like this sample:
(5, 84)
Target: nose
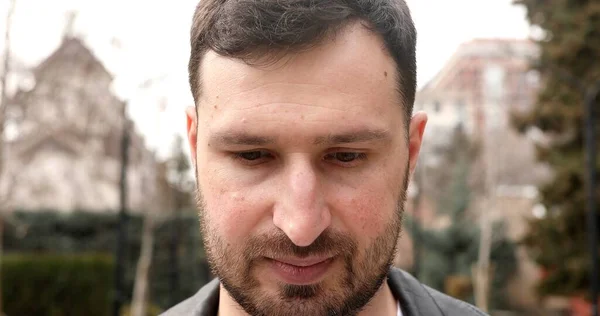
(301, 212)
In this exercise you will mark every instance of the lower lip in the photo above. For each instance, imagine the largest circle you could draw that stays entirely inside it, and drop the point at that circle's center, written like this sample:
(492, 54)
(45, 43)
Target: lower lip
(297, 275)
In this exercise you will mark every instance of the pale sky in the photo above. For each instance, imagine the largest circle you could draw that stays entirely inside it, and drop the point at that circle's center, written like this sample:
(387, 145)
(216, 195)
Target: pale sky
(155, 42)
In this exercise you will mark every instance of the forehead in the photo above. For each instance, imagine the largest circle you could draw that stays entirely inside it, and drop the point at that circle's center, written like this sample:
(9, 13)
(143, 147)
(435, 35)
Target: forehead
(351, 72)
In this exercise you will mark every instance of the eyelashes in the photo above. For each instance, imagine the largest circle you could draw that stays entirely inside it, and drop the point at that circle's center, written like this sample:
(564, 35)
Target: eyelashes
(259, 157)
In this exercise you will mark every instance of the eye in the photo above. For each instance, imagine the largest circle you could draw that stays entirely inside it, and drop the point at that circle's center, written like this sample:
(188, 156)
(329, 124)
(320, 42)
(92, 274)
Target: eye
(253, 157)
(346, 158)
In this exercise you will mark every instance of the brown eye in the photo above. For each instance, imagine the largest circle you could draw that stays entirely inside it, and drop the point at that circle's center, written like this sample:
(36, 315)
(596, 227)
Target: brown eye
(254, 157)
(346, 157)
(251, 155)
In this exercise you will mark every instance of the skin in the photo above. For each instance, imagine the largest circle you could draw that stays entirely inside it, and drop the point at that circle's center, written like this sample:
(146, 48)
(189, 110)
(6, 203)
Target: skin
(314, 145)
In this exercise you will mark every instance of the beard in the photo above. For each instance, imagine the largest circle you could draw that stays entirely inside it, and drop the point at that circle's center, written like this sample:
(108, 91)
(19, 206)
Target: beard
(352, 282)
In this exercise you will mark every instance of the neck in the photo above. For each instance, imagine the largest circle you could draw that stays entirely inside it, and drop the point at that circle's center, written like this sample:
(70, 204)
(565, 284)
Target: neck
(227, 305)
(382, 303)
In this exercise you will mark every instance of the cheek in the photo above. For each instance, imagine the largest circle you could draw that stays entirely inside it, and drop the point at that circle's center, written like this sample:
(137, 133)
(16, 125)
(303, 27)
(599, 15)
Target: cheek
(368, 212)
(368, 209)
(231, 210)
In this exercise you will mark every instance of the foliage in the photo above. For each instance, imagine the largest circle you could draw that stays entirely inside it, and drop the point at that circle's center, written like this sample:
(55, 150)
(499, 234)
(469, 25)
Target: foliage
(57, 284)
(568, 62)
(179, 176)
(181, 185)
(80, 232)
(151, 310)
(449, 254)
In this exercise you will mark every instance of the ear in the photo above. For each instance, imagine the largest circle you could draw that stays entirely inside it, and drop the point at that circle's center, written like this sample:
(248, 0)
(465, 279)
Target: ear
(192, 130)
(416, 130)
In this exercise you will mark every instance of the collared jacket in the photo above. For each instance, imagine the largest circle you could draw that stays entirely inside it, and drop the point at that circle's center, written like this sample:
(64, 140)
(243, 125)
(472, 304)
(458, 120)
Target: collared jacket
(415, 299)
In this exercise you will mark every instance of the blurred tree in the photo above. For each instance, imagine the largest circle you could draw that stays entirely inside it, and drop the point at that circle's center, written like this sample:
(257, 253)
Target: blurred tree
(182, 184)
(569, 57)
(172, 190)
(180, 174)
(153, 205)
(450, 253)
(4, 175)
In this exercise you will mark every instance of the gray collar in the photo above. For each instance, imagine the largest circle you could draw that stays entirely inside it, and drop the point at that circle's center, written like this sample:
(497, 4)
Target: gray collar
(415, 299)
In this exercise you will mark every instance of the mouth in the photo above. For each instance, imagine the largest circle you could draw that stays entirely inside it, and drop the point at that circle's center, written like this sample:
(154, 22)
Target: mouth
(298, 271)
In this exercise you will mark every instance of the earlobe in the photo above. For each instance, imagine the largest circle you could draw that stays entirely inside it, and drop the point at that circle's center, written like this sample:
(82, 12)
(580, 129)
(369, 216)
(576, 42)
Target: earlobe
(192, 132)
(415, 138)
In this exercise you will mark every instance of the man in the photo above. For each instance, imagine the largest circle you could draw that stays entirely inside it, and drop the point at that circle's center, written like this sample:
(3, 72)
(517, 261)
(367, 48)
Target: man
(303, 141)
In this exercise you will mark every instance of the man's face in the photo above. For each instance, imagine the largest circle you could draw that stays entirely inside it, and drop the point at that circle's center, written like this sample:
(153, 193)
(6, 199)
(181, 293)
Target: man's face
(302, 170)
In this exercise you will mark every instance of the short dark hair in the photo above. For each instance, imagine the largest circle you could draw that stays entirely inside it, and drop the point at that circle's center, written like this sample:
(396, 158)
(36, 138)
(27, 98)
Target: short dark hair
(246, 29)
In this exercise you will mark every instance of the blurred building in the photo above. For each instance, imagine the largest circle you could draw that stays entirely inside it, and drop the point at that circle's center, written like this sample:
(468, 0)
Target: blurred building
(480, 85)
(483, 84)
(65, 131)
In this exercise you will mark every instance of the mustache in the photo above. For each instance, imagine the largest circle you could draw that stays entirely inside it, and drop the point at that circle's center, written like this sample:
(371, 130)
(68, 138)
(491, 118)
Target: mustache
(277, 244)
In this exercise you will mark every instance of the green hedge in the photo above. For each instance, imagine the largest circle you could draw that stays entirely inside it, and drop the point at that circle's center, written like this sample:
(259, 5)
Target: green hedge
(57, 285)
(56, 232)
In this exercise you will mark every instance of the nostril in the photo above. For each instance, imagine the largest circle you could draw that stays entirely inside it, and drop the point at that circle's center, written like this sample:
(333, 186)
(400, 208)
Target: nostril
(302, 226)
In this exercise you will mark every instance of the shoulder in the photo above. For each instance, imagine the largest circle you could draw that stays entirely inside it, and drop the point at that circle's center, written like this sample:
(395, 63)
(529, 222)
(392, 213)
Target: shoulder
(419, 299)
(186, 307)
(204, 303)
(451, 306)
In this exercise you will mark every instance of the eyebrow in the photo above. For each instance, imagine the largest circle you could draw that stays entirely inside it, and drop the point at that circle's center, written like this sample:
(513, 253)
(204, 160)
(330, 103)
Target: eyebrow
(354, 137)
(240, 138)
(245, 139)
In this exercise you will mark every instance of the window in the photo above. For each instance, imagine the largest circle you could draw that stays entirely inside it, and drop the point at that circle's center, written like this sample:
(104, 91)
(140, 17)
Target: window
(437, 106)
(532, 78)
(461, 111)
(493, 81)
